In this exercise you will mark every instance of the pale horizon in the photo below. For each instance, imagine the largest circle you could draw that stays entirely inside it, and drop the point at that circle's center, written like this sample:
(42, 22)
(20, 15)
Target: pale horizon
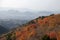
(48, 5)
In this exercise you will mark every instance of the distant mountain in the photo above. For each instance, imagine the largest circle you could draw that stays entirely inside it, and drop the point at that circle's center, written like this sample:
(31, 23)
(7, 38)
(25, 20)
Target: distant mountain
(8, 24)
(12, 18)
(3, 30)
(41, 28)
(24, 14)
(12, 23)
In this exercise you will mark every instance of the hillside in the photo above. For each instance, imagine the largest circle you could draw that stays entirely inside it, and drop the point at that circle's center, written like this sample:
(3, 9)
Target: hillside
(3, 30)
(41, 28)
(12, 23)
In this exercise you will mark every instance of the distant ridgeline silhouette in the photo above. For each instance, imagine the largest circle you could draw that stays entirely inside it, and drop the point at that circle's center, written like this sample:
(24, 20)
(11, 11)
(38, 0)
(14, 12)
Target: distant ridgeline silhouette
(3, 30)
(41, 28)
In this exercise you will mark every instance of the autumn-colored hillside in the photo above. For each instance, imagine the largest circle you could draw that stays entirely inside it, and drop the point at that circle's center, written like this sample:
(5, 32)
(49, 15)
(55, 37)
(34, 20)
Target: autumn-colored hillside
(41, 28)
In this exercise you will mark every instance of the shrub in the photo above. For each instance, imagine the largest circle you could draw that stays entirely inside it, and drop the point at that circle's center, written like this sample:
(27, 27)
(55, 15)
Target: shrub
(43, 17)
(51, 14)
(45, 37)
(14, 36)
(39, 17)
(53, 39)
(32, 21)
(8, 37)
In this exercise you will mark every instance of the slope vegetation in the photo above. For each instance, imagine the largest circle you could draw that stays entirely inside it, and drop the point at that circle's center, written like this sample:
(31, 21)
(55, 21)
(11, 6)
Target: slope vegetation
(41, 28)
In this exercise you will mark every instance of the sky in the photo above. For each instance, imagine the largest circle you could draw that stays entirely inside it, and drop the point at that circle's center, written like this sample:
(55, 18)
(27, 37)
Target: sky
(48, 5)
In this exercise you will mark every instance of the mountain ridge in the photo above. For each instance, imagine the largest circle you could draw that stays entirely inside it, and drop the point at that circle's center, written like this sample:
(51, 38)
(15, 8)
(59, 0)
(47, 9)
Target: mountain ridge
(3, 30)
(36, 29)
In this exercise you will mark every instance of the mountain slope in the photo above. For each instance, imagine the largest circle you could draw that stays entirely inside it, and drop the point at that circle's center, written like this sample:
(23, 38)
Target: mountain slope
(11, 23)
(37, 29)
(3, 30)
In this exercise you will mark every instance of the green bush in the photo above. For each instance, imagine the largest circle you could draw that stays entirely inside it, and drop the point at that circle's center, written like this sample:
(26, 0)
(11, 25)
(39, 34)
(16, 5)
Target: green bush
(8, 37)
(14, 36)
(43, 17)
(52, 15)
(46, 37)
(11, 36)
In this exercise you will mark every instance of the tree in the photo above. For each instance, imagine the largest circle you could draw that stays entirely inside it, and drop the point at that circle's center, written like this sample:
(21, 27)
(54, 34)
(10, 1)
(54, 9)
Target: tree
(43, 17)
(51, 14)
(32, 22)
(45, 37)
(53, 39)
(14, 36)
(8, 37)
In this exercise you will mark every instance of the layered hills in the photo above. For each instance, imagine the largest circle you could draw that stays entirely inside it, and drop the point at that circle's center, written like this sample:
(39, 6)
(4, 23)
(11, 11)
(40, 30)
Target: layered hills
(41, 28)
(3, 30)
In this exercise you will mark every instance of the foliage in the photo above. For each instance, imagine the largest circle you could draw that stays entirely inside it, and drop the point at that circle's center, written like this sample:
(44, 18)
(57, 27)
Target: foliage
(53, 39)
(14, 36)
(51, 14)
(43, 17)
(9, 36)
(35, 29)
(45, 37)
(32, 22)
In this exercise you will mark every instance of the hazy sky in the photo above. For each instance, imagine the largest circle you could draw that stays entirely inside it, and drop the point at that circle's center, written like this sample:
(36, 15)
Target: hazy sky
(49, 5)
